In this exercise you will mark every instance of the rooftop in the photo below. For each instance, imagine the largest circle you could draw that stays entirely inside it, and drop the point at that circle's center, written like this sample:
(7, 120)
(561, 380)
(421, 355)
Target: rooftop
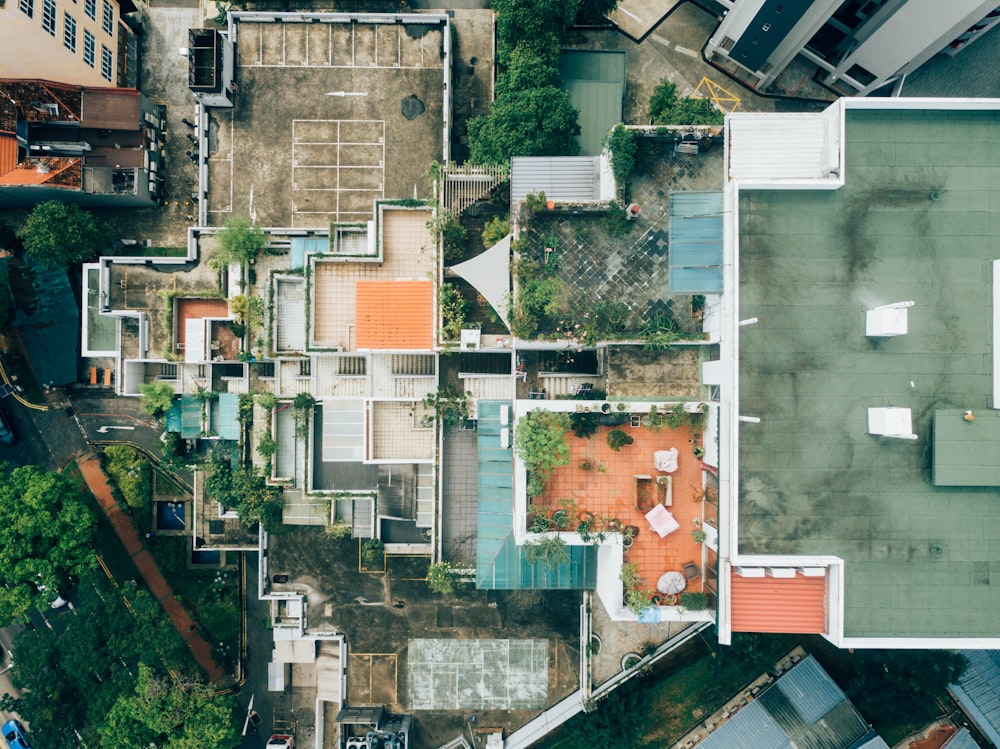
(915, 220)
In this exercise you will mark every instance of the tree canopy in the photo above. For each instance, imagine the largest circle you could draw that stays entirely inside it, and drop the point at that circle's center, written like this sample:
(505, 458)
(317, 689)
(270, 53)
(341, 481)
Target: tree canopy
(540, 440)
(239, 242)
(666, 108)
(45, 535)
(130, 472)
(243, 489)
(105, 669)
(156, 398)
(525, 122)
(57, 235)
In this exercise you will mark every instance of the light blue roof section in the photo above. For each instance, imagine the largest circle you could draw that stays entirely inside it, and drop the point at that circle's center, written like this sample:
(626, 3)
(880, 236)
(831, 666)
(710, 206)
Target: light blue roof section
(500, 562)
(695, 242)
(185, 417)
(302, 245)
(173, 420)
(978, 691)
(962, 740)
(225, 421)
(804, 709)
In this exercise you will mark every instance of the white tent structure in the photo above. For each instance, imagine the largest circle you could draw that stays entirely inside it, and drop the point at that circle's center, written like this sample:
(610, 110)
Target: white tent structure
(489, 273)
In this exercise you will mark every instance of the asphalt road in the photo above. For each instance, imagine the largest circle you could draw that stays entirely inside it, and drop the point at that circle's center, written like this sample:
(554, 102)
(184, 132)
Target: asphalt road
(30, 448)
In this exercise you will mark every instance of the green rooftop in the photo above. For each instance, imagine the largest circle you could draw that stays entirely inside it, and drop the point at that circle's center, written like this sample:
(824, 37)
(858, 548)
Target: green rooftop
(595, 81)
(916, 220)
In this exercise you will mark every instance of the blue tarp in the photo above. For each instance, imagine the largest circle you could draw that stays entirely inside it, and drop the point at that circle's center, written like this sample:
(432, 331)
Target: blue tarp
(302, 245)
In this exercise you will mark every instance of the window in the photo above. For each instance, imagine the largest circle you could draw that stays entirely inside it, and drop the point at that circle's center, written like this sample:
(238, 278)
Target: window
(105, 63)
(90, 8)
(109, 17)
(88, 48)
(69, 32)
(49, 16)
(27, 7)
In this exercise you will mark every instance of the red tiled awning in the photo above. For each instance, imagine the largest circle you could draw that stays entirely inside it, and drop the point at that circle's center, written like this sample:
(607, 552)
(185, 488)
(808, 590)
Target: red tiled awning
(792, 605)
(394, 315)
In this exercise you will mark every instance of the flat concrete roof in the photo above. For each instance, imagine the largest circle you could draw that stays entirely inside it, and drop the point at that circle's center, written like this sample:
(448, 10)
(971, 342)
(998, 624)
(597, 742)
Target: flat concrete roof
(318, 131)
(917, 219)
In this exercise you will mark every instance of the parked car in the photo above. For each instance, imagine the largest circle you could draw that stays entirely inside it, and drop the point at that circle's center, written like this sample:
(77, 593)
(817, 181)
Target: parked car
(7, 435)
(13, 734)
(281, 741)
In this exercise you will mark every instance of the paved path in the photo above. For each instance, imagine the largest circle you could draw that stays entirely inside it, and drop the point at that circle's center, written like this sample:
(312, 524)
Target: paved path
(90, 467)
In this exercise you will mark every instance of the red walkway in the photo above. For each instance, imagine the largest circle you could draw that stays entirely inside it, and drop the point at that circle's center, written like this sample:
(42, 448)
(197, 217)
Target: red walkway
(144, 562)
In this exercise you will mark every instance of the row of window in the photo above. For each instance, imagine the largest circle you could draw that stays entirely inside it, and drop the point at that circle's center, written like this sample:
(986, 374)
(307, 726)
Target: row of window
(69, 30)
(90, 8)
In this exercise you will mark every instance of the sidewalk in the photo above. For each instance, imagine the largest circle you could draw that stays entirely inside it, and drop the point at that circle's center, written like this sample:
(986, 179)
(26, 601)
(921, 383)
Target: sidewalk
(90, 467)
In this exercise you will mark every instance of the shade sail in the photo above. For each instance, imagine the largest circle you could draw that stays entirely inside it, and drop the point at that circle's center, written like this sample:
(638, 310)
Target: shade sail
(489, 273)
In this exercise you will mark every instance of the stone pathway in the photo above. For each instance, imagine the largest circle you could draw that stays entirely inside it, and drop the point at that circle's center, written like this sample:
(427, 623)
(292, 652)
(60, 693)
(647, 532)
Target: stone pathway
(90, 467)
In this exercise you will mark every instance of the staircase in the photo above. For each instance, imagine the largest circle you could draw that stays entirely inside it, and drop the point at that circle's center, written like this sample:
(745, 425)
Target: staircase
(363, 518)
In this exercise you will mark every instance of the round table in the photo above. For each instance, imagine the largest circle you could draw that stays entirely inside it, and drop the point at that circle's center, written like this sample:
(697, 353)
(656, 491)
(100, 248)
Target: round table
(671, 582)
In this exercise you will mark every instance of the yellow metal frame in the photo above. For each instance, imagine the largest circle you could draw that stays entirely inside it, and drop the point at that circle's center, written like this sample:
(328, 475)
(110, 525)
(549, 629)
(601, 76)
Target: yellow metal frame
(719, 96)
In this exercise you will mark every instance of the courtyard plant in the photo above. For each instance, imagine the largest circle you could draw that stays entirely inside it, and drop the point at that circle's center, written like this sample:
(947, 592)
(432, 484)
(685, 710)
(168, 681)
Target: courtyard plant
(130, 472)
(240, 242)
(551, 550)
(57, 235)
(666, 108)
(441, 578)
(617, 439)
(540, 442)
(156, 398)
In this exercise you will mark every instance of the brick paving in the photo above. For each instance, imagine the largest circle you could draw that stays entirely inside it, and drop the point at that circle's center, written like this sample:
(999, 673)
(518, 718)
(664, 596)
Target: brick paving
(90, 467)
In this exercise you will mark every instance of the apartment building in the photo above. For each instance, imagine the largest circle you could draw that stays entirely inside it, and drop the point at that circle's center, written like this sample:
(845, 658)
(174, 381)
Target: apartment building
(853, 47)
(85, 43)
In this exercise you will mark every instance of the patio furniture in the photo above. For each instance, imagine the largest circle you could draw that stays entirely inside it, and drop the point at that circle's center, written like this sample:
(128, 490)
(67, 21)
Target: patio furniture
(537, 394)
(643, 495)
(665, 460)
(662, 521)
(691, 571)
(671, 582)
(583, 389)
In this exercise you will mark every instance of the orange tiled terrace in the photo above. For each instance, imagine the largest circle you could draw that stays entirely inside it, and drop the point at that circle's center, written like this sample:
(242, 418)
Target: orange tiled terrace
(601, 481)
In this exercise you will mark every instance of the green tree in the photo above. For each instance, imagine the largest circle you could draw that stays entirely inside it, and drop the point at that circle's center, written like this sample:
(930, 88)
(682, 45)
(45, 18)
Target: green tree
(617, 439)
(665, 108)
(57, 235)
(174, 713)
(540, 440)
(517, 20)
(156, 398)
(240, 242)
(496, 229)
(525, 122)
(45, 535)
(130, 472)
(533, 63)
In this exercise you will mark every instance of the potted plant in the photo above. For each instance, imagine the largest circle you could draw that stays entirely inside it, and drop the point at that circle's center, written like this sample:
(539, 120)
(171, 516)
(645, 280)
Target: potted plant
(621, 407)
(605, 408)
(699, 535)
(699, 451)
(560, 519)
(586, 464)
(617, 439)
(695, 601)
(627, 538)
(540, 524)
(670, 599)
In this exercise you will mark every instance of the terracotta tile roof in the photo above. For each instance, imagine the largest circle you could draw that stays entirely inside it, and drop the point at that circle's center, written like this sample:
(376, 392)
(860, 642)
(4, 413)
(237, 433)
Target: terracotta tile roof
(111, 108)
(793, 605)
(8, 153)
(394, 315)
(28, 174)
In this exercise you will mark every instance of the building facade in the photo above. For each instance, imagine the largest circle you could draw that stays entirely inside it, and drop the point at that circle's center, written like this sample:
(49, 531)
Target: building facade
(85, 43)
(855, 47)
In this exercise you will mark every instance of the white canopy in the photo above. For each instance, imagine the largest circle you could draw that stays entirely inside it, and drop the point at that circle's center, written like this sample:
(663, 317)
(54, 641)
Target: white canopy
(489, 273)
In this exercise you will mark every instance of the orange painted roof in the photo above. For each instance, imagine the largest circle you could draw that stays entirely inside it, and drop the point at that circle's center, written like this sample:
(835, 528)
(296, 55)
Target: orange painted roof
(793, 605)
(28, 174)
(394, 315)
(8, 153)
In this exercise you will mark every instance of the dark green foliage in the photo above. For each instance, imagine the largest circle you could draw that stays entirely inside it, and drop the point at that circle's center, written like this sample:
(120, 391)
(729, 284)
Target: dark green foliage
(454, 308)
(57, 235)
(695, 600)
(665, 108)
(130, 472)
(584, 425)
(517, 20)
(892, 686)
(242, 489)
(448, 229)
(240, 242)
(372, 553)
(614, 721)
(525, 122)
(45, 534)
(595, 12)
(623, 145)
(540, 441)
(156, 398)
(533, 63)
(616, 223)
(617, 439)
(450, 405)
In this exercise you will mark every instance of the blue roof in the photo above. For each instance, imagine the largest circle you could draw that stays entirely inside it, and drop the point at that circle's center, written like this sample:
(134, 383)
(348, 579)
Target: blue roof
(500, 563)
(804, 708)
(225, 420)
(190, 408)
(50, 329)
(695, 242)
(302, 245)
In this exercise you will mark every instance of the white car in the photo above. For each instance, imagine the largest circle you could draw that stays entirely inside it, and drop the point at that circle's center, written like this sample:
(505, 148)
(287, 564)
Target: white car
(281, 741)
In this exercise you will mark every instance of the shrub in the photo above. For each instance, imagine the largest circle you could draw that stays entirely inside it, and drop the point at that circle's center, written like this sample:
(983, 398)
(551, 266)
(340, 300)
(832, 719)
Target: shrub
(584, 425)
(372, 553)
(665, 108)
(454, 308)
(496, 229)
(338, 530)
(540, 441)
(622, 145)
(616, 223)
(266, 447)
(156, 398)
(240, 242)
(131, 474)
(617, 439)
(551, 550)
(447, 228)
(694, 601)
(441, 578)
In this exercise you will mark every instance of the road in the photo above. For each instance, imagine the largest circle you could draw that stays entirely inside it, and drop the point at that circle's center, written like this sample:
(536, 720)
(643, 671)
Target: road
(258, 655)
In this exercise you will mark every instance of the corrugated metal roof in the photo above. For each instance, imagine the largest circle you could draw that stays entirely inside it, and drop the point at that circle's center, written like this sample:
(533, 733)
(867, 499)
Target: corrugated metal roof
(788, 146)
(113, 109)
(695, 242)
(564, 179)
(8, 153)
(224, 416)
(394, 315)
(961, 740)
(804, 709)
(978, 691)
(786, 605)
